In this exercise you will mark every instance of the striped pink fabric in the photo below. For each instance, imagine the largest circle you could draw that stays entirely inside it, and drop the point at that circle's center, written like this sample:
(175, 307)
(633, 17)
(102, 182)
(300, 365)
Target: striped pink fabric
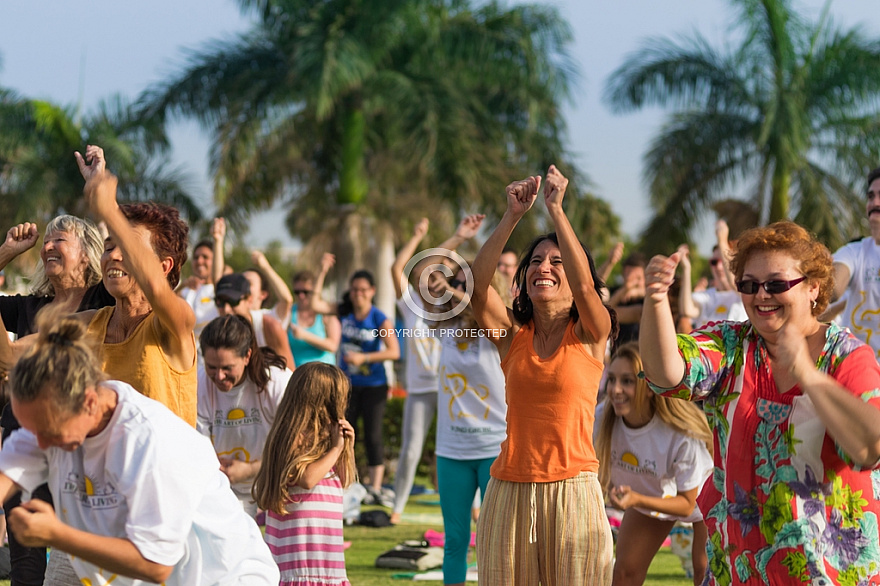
(307, 541)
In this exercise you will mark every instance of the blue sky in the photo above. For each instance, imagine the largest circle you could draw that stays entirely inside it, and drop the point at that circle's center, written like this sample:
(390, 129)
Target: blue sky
(48, 48)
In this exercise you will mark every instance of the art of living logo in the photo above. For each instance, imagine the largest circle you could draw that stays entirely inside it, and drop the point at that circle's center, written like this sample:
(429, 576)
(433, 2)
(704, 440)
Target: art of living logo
(448, 264)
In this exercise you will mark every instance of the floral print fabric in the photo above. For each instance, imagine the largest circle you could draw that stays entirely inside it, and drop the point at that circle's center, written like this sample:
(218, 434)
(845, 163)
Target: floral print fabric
(784, 504)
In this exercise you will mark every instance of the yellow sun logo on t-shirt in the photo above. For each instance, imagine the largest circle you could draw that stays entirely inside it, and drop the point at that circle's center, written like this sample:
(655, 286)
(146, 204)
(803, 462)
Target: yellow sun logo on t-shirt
(629, 458)
(106, 580)
(235, 414)
(236, 454)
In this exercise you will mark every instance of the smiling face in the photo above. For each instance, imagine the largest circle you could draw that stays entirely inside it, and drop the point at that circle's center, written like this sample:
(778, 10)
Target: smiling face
(622, 389)
(203, 258)
(545, 276)
(64, 258)
(225, 367)
(119, 283)
(361, 293)
(769, 311)
(54, 427)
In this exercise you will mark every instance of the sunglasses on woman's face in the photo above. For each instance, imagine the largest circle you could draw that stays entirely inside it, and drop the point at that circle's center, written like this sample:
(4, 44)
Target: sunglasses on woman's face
(221, 301)
(772, 287)
(455, 284)
(302, 291)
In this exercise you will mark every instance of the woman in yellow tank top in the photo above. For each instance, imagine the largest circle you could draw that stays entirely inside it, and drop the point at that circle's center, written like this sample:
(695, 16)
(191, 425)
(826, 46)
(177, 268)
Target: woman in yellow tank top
(147, 338)
(543, 518)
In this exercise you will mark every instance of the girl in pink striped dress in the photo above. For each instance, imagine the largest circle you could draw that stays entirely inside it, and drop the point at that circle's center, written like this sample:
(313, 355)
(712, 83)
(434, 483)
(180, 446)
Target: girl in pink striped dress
(308, 460)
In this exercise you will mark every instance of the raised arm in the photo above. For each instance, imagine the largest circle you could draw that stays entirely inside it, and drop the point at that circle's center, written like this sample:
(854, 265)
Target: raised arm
(319, 304)
(658, 343)
(842, 276)
(19, 239)
(276, 284)
(218, 235)
(594, 325)
(276, 338)
(722, 232)
(686, 305)
(489, 308)
(173, 312)
(613, 258)
(405, 253)
(342, 438)
(467, 229)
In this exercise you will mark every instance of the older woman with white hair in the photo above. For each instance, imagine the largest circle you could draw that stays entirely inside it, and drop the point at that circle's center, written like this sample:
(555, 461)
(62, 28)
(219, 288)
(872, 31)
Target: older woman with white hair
(68, 275)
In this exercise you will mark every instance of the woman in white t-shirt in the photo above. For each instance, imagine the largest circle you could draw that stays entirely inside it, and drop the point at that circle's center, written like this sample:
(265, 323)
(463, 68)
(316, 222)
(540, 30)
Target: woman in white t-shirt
(139, 496)
(471, 412)
(654, 455)
(421, 354)
(240, 387)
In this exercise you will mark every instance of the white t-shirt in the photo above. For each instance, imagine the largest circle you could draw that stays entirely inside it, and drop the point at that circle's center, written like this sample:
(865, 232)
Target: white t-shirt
(860, 315)
(202, 302)
(718, 305)
(655, 460)
(471, 406)
(238, 421)
(422, 349)
(150, 478)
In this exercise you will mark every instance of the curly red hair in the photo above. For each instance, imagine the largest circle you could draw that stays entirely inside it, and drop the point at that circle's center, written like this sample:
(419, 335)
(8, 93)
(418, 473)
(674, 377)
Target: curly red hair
(813, 257)
(168, 233)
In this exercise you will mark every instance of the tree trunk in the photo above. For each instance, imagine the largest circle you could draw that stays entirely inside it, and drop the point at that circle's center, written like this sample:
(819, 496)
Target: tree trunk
(352, 182)
(779, 194)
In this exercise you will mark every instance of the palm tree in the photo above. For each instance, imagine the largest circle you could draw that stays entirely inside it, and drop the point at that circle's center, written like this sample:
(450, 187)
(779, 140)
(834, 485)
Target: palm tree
(792, 115)
(356, 112)
(41, 179)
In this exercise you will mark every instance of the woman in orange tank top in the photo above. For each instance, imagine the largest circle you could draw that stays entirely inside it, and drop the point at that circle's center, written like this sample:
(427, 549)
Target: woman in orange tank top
(543, 518)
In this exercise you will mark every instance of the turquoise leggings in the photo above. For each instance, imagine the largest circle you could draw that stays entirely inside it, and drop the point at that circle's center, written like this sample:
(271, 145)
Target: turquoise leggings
(458, 483)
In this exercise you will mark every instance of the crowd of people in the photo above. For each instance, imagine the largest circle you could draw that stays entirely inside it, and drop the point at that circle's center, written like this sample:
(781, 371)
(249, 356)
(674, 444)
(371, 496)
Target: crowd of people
(154, 423)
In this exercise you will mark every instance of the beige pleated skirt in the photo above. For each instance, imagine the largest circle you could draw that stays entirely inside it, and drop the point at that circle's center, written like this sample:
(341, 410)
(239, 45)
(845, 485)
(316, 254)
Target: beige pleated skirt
(548, 533)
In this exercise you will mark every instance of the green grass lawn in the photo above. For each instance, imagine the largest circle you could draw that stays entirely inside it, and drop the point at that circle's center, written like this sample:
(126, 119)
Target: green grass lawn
(369, 542)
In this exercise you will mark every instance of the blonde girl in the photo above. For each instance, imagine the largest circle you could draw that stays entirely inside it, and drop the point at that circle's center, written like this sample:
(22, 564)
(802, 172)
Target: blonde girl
(308, 460)
(655, 454)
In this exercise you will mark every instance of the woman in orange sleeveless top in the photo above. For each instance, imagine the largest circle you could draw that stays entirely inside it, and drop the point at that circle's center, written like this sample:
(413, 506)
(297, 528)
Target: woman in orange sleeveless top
(147, 338)
(543, 519)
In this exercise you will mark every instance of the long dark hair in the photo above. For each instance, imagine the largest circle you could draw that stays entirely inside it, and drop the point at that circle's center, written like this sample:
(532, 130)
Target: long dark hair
(237, 334)
(522, 305)
(345, 306)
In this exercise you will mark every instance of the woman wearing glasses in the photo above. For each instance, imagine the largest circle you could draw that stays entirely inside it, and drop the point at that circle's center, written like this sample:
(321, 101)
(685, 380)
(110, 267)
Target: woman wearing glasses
(313, 336)
(795, 410)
